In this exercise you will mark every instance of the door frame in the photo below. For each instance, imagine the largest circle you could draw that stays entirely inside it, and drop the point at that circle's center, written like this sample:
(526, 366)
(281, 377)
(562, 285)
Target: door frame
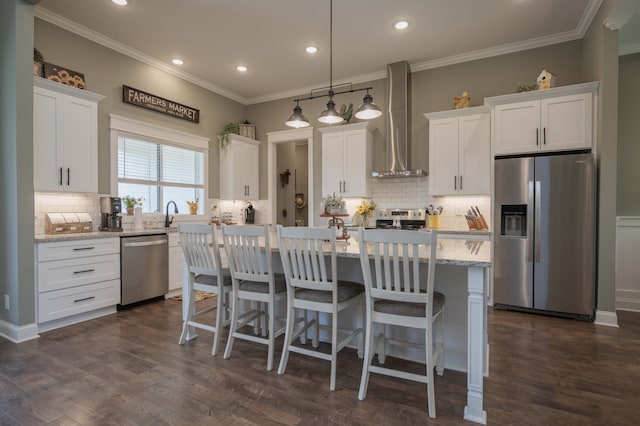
(284, 136)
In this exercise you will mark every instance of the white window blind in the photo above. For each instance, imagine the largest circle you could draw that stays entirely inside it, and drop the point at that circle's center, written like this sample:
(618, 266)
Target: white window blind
(158, 173)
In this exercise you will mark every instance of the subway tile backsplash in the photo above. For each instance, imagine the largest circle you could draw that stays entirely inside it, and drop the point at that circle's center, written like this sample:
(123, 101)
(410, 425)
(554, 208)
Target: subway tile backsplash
(413, 193)
(51, 202)
(409, 193)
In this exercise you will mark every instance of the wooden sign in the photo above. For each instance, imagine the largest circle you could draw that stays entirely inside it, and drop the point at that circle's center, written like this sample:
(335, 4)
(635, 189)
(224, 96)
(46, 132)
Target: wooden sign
(146, 100)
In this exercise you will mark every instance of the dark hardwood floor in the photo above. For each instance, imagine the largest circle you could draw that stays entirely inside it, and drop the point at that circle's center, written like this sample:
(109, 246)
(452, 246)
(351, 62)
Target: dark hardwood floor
(127, 369)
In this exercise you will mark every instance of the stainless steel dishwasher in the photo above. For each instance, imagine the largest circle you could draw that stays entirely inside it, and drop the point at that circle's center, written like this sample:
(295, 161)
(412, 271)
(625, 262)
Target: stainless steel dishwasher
(144, 268)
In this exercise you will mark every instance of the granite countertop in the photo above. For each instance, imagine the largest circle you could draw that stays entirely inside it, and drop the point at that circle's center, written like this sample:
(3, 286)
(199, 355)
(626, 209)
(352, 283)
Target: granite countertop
(453, 251)
(47, 238)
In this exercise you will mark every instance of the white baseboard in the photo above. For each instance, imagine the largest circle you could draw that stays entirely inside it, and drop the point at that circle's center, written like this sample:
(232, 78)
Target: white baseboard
(628, 300)
(74, 319)
(18, 333)
(607, 319)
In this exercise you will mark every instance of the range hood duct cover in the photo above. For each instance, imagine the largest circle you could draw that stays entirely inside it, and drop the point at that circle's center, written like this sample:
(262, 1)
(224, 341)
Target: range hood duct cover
(398, 123)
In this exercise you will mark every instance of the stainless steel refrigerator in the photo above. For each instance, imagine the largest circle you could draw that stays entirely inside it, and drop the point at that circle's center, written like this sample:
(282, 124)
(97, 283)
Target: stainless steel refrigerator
(544, 245)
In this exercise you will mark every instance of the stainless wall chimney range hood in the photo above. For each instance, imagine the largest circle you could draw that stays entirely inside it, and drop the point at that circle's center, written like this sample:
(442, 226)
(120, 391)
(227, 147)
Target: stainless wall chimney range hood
(398, 123)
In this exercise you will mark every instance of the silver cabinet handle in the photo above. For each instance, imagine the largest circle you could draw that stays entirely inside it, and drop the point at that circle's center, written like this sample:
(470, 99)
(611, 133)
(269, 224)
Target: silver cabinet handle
(537, 218)
(455, 182)
(68, 176)
(84, 299)
(537, 136)
(461, 182)
(83, 248)
(544, 135)
(60, 176)
(85, 271)
(146, 243)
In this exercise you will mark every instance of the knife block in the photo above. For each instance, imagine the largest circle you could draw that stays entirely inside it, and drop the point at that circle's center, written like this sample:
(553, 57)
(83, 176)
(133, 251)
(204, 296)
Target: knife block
(479, 224)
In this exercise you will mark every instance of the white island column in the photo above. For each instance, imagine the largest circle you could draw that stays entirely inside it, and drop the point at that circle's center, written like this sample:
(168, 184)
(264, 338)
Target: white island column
(476, 344)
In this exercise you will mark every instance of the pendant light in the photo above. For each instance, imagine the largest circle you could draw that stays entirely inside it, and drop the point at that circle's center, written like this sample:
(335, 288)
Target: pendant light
(297, 120)
(330, 115)
(366, 111)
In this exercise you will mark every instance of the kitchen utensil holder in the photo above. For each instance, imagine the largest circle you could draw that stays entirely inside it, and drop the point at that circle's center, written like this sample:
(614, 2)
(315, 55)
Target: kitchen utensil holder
(433, 221)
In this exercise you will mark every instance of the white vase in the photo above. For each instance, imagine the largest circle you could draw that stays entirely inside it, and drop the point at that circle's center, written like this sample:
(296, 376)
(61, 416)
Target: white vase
(137, 218)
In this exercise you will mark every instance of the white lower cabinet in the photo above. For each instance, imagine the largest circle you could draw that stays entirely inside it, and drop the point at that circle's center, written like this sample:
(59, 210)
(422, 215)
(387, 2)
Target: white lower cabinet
(76, 280)
(175, 263)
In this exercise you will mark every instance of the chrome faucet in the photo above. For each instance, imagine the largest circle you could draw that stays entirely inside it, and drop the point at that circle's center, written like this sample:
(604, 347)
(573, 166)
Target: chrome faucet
(167, 222)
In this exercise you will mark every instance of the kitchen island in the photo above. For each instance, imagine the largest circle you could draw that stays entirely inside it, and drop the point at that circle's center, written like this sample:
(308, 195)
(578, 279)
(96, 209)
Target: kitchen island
(462, 275)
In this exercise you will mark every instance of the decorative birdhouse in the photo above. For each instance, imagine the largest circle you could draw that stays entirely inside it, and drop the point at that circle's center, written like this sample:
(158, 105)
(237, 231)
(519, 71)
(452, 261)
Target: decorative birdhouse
(546, 80)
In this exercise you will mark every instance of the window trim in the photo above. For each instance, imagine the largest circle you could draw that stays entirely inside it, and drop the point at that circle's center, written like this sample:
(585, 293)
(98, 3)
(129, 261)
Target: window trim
(128, 127)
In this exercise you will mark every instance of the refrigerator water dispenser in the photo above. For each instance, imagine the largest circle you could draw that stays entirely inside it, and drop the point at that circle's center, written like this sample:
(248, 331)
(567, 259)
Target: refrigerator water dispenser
(513, 220)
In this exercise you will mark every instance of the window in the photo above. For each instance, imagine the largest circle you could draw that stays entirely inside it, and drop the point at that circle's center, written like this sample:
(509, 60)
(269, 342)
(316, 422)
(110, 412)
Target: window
(158, 164)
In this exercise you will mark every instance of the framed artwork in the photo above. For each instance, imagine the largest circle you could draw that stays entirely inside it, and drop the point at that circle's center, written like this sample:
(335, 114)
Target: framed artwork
(64, 75)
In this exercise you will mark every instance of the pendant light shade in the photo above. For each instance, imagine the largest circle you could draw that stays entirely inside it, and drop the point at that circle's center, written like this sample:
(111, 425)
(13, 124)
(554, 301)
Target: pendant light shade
(330, 115)
(297, 119)
(368, 109)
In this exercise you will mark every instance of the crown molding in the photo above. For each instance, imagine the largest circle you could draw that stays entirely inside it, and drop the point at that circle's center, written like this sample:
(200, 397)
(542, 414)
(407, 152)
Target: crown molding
(112, 44)
(587, 17)
(629, 49)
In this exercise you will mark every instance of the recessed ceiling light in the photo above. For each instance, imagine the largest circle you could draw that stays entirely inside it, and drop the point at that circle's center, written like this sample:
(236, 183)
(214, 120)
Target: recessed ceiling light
(241, 68)
(177, 61)
(311, 49)
(120, 2)
(401, 25)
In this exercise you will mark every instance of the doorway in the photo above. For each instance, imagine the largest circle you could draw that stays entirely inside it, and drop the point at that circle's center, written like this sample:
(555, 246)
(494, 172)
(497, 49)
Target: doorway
(291, 196)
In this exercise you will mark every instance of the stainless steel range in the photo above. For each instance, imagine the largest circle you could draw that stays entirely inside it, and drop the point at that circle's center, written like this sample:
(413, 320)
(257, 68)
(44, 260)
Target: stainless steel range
(413, 219)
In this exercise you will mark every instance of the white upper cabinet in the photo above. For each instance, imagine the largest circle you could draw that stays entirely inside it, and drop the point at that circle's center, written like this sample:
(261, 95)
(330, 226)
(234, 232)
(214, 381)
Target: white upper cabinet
(459, 152)
(346, 160)
(544, 120)
(65, 138)
(239, 169)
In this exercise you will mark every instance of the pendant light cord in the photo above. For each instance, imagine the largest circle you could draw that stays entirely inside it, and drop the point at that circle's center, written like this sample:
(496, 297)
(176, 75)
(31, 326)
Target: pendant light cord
(330, 49)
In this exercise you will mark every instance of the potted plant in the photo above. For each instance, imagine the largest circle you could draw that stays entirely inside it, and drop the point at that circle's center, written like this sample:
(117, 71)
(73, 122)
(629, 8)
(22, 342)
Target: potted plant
(223, 138)
(333, 204)
(38, 62)
(131, 202)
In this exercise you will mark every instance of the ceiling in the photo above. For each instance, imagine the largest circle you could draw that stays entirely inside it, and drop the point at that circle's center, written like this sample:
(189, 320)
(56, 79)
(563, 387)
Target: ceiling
(269, 37)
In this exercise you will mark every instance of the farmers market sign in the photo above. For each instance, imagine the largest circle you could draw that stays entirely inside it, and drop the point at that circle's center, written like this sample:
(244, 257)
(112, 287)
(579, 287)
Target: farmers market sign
(156, 103)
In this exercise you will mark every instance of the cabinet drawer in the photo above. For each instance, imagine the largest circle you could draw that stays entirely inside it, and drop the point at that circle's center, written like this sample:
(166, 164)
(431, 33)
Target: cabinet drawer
(77, 248)
(63, 303)
(75, 272)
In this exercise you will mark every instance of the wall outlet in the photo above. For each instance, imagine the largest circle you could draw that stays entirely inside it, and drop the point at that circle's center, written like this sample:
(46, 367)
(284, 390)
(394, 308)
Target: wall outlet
(7, 306)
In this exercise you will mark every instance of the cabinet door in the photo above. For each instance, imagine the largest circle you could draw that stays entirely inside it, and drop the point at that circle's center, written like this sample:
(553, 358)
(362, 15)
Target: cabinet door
(239, 170)
(47, 163)
(474, 146)
(65, 136)
(175, 268)
(567, 122)
(79, 145)
(246, 176)
(443, 156)
(332, 164)
(357, 163)
(517, 127)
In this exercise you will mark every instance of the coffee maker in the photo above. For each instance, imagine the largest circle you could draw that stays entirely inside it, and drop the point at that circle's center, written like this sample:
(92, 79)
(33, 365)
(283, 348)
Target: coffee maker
(249, 214)
(110, 219)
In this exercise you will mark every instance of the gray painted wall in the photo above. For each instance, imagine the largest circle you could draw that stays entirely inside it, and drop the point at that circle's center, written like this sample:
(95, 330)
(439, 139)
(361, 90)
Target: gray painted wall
(628, 196)
(106, 71)
(16, 162)
(600, 62)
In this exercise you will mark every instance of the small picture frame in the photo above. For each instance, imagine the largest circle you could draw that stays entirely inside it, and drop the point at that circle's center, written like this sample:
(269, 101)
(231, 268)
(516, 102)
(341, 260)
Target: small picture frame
(64, 75)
